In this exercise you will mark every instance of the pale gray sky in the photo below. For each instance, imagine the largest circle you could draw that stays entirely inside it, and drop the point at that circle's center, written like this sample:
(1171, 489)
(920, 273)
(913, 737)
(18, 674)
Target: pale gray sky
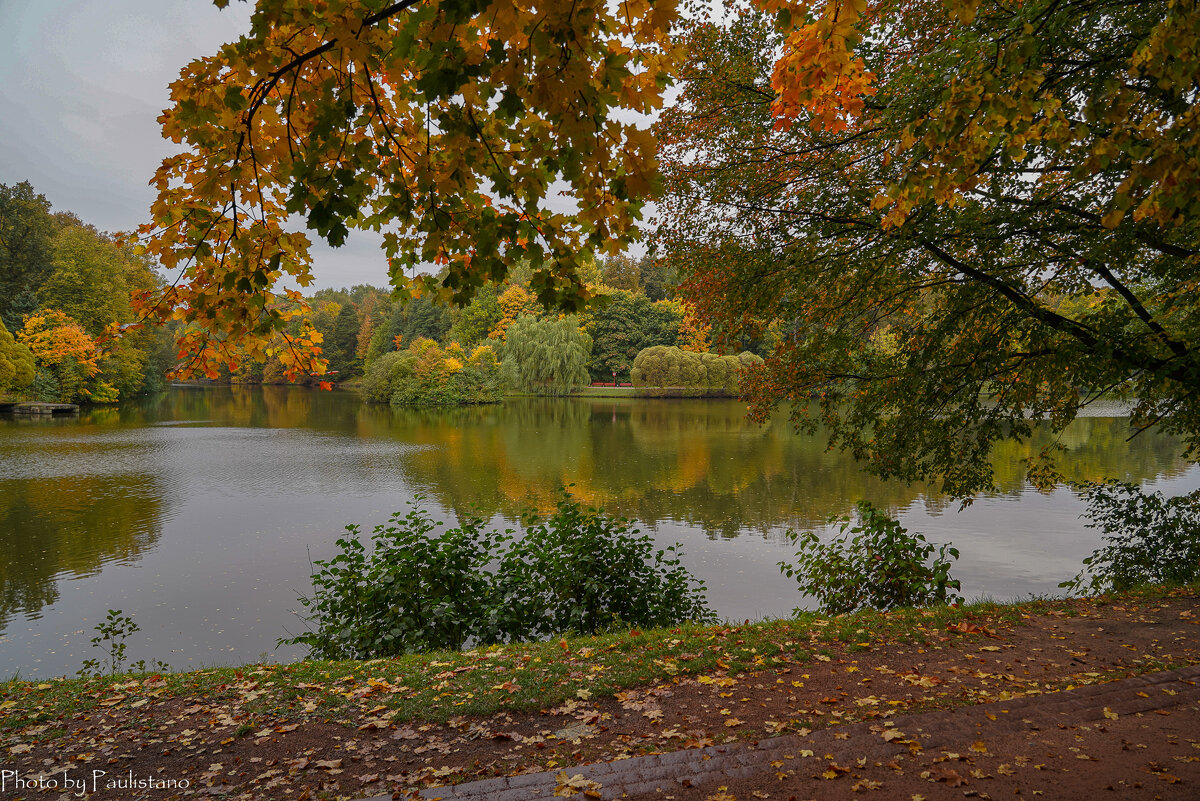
(81, 86)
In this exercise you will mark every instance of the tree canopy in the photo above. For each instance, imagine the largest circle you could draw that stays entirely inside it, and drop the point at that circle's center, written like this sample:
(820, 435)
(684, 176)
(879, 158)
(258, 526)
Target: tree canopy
(16, 362)
(446, 126)
(27, 229)
(546, 357)
(962, 215)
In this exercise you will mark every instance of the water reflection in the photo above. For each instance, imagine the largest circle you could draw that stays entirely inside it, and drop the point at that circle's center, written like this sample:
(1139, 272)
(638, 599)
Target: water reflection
(51, 529)
(197, 511)
(701, 463)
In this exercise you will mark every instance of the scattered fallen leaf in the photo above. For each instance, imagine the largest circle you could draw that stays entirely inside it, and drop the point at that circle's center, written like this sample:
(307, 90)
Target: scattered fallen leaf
(865, 784)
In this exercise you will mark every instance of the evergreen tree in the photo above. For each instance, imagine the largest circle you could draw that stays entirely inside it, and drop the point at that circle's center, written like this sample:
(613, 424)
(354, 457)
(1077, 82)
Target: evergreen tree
(342, 341)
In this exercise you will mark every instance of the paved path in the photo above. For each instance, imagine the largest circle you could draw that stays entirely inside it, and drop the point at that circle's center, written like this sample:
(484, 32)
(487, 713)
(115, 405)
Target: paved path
(708, 768)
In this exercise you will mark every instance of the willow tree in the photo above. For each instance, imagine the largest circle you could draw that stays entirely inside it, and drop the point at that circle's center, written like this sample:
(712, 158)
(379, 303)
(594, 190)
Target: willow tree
(546, 357)
(961, 215)
(448, 126)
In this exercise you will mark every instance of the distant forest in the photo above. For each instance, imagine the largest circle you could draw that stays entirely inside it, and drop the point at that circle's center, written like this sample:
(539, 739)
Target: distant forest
(65, 289)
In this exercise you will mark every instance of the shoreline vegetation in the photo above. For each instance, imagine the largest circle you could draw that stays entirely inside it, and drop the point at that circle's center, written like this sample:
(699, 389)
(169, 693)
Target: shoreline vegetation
(70, 286)
(437, 686)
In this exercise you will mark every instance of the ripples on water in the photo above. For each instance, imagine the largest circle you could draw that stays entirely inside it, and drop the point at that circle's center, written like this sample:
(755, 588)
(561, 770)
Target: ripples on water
(198, 511)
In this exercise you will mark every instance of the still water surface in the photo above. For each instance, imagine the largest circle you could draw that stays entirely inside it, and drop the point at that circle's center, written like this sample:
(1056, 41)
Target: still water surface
(197, 511)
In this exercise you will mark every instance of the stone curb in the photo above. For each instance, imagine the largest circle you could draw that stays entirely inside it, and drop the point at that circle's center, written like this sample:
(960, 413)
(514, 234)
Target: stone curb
(699, 766)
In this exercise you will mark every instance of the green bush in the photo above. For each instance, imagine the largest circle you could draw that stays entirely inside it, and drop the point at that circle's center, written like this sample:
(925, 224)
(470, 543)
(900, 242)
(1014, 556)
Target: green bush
(17, 365)
(428, 375)
(668, 370)
(882, 566)
(1151, 539)
(582, 571)
(378, 384)
(411, 591)
(417, 589)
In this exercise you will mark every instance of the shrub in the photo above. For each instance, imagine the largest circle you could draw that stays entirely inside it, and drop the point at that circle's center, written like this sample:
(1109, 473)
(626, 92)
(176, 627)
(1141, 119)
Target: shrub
(882, 566)
(379, 382)
(578, 571)
(428, 375)
(17, 366)
(582, 571)
(663, 370)
(1151, 539)
(412, 591)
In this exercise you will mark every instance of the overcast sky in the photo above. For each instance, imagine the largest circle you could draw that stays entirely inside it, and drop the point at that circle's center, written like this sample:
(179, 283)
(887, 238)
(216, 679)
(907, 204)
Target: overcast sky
(82, 84)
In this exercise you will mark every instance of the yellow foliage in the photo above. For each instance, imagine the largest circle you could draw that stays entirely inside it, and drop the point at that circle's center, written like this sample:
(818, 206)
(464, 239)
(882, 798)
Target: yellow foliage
(338, 112)
(514, 301)
(54, 338)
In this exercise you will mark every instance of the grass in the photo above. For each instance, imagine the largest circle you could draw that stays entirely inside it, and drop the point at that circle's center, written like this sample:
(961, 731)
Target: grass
(608, 392)
(434, 687)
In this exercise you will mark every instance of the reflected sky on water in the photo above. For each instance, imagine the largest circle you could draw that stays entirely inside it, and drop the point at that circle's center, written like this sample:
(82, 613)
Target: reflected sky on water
(198, 511)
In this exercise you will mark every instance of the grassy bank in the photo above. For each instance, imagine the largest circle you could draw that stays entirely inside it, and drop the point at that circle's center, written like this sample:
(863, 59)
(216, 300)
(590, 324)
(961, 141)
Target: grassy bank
(437, 686)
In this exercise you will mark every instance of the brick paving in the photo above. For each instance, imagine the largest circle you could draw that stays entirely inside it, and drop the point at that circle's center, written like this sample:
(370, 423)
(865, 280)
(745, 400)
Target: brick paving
(706, 769)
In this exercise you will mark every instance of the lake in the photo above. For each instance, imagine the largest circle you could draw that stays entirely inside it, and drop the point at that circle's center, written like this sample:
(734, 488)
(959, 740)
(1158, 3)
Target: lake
(197, 511)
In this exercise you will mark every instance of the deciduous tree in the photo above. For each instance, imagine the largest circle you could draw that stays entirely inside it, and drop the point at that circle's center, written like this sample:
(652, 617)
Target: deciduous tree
(514, 301)
(66, 353)
(949, 170)
(92, 279)
(16, 362)
(26, 230)
(441, 124)
(546, 357)
(625, 325)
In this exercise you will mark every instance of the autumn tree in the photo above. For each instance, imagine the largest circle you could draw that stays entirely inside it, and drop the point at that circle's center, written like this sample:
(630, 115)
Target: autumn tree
(92, 278)
(16, 362)
(514, 302)
(441, 124)
(948, 170)
(622, 272)
(647, 275)
(66, 356)
(694, 333)
(374, 310)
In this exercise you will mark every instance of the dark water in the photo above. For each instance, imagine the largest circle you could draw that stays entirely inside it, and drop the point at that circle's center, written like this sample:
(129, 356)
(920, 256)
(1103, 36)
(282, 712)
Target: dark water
(197, 511)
